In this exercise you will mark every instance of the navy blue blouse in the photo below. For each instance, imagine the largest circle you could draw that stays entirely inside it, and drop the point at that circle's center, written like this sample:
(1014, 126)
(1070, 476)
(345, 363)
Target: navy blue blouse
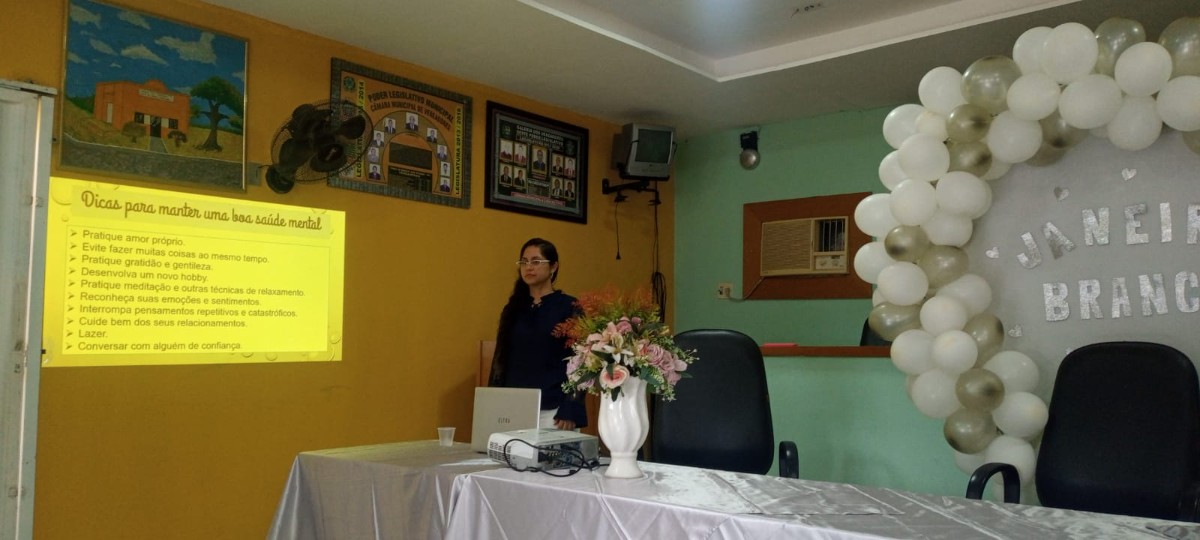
(537, 359)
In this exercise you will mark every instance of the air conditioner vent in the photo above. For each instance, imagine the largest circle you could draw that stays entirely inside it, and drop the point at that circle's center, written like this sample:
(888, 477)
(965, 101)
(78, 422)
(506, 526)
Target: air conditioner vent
(804, 246)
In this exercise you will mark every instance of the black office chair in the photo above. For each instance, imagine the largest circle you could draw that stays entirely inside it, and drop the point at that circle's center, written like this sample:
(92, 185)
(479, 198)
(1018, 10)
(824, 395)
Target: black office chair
(721, 415)
(1123, 436)
(869, 337)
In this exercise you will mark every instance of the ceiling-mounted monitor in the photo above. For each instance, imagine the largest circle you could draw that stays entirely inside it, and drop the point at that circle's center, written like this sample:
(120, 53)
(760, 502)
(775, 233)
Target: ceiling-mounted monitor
(644, 151)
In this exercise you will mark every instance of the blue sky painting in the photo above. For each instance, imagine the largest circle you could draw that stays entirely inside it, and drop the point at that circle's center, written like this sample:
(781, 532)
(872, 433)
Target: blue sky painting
(107, 43)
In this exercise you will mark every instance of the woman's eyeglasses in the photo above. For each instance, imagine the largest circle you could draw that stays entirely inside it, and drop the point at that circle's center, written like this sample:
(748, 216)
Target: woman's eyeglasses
(532, 262)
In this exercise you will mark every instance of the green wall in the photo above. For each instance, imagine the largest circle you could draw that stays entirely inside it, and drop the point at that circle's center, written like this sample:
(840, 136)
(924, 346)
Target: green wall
(850, 417)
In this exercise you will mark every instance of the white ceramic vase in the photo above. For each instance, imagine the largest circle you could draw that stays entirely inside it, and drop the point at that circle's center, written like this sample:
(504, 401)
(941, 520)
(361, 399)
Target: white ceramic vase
(623, 425)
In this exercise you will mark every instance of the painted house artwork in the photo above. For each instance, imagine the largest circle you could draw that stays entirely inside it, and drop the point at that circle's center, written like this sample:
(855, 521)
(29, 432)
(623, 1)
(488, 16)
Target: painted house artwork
(151, 105)
(153, 99)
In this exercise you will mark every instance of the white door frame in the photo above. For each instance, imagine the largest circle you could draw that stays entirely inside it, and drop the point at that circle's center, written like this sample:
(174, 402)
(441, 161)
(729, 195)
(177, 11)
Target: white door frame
(26, 120)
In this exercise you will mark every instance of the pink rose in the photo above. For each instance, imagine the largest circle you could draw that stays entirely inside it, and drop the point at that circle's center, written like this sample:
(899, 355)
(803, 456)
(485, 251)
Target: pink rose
(619, 374)
(660, 357)
(636, 320)
(623, 326)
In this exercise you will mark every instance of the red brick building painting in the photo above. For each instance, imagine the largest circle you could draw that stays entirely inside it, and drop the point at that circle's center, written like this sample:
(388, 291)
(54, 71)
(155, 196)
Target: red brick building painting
(152, 104)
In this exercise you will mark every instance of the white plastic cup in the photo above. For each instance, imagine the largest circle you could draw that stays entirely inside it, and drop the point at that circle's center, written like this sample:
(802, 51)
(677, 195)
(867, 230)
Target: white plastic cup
(446, 436)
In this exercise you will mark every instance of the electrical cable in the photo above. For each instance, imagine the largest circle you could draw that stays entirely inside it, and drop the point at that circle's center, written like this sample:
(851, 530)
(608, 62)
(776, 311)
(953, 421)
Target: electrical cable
(571, 458)
(658, 283)
(750, 292)
(617, 223)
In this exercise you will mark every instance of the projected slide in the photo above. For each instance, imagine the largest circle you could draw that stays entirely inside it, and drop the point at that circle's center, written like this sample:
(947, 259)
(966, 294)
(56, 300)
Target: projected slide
(138, 276)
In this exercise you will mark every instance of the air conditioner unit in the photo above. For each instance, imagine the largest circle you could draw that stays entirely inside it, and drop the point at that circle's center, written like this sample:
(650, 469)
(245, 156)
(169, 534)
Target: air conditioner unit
(809, 246)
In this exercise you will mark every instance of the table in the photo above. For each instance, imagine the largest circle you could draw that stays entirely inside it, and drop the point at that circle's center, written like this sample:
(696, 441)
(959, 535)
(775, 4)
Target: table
(395, 490)
(421, 490)
(683, 502)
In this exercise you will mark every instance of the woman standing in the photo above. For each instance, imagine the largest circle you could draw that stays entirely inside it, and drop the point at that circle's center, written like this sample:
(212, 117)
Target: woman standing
(527, 353)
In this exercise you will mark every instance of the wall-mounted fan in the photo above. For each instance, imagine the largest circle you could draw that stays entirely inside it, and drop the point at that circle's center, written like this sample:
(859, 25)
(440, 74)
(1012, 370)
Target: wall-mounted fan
(319, 140)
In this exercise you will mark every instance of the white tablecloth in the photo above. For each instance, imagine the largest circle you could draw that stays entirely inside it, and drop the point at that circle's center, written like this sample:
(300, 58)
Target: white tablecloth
(419, 490)
(681, 502)
(385, 491)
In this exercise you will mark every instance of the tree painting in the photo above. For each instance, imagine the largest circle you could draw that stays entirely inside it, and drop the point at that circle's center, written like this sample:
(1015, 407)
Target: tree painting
(153, 98)
(217, 92)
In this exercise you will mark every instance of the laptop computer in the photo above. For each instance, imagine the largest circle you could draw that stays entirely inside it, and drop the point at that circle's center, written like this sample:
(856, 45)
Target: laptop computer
(503, 409)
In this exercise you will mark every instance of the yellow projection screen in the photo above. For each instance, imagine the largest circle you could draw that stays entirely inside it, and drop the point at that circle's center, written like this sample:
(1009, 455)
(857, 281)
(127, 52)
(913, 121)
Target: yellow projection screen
(138, 276)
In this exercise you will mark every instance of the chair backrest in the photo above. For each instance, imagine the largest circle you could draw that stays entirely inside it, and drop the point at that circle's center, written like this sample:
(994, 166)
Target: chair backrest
(869, 337)
(721, 415)
(1123, 435)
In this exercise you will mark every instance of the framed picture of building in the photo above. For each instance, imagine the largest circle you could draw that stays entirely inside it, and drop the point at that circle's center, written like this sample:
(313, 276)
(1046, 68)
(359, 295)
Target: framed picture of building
(153, 99)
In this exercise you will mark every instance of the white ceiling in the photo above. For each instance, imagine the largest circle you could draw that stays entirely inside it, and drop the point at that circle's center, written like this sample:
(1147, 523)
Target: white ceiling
(699, 65)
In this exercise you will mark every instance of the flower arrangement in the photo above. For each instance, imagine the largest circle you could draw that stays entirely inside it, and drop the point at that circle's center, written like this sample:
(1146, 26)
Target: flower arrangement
(617, 336)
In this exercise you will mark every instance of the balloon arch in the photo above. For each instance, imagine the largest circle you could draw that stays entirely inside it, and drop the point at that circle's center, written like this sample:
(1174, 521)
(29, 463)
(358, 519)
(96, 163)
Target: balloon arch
(1060, 85)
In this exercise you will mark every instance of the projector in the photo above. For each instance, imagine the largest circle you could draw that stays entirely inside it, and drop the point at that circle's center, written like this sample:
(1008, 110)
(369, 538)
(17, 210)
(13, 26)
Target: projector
(543, 449)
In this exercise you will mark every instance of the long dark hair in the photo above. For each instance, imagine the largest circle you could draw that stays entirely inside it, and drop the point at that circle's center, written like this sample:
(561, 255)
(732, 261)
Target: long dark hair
(519, 298)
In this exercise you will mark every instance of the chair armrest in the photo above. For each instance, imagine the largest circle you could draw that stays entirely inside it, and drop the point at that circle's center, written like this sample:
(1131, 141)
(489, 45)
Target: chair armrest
(1189, 503)
(789, 460)
(979, 480)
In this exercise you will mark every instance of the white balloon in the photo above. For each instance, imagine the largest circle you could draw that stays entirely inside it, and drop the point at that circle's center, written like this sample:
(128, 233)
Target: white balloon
(1069, 52)
(1027, 51)
(877, 298)
(1018, 371)
(942, 314)
(954, 352)
(940, 91)
(1136, 125)
(890, 172)
(998, 169)
(933, 394)
(986, 206)
(932, 124)
(1179, 103)
(968, 462)
(1013, 140)
(911, 351)
(1033, 96)
(903, 283)
(873, 215)
(913, 202)
(972, 290)
(1090, 102)
(1143, 69)
(1021, 414)
(901, 123)
(924, 157)
(948, 229)
(960, 192)
(1014, 451)
(870, 260)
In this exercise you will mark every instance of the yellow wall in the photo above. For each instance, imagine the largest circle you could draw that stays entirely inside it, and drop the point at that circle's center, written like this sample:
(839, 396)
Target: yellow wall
(203, 451)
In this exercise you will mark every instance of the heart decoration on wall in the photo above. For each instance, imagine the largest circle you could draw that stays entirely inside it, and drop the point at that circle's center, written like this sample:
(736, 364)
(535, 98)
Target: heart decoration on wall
(1060, 85)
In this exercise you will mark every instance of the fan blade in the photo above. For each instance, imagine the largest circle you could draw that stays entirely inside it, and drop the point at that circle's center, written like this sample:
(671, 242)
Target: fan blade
(293, 154)
(303, 110)
(309, 123)
(353, 128)
(278, 182)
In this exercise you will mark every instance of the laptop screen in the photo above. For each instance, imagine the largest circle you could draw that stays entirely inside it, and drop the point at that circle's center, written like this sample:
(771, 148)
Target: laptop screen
(503, 409)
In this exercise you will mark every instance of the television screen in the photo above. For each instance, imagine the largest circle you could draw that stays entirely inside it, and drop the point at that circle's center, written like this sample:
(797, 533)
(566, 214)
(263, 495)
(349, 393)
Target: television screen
(653, 146)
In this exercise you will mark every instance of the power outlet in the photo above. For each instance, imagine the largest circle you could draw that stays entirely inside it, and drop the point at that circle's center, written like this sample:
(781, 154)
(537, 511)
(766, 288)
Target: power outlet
(724, 290)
